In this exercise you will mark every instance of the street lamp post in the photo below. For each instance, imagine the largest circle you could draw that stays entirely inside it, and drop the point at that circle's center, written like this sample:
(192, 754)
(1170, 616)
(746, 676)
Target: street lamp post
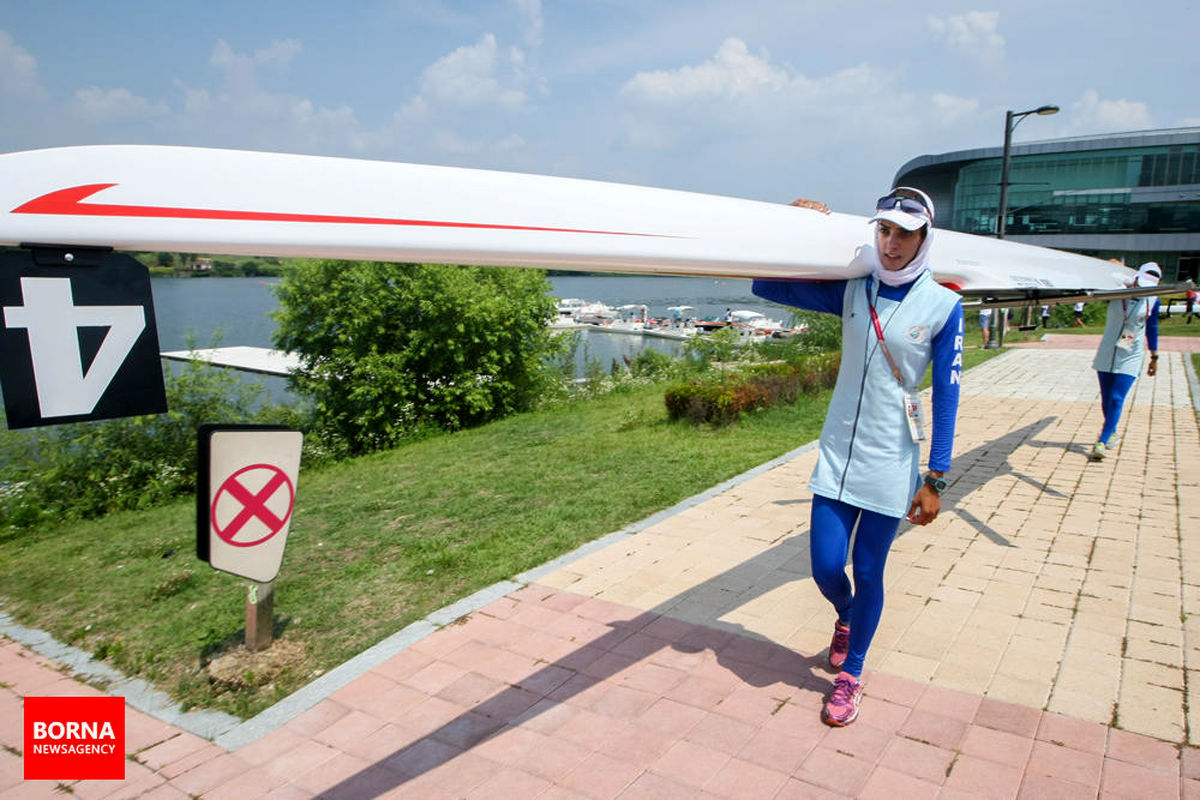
(1011, 120)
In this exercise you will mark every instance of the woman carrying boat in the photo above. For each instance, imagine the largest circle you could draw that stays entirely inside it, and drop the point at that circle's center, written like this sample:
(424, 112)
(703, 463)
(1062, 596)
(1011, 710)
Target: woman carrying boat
(1118, 360)
(895, 323)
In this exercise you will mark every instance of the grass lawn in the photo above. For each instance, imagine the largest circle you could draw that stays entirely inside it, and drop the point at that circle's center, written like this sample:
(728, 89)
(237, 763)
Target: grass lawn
(378, 542)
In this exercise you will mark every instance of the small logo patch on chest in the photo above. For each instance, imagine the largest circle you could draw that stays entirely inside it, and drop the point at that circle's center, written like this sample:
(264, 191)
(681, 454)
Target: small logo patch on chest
(918, 334)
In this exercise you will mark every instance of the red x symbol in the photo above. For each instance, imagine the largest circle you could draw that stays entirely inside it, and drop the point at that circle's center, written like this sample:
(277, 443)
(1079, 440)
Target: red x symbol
(254, 505)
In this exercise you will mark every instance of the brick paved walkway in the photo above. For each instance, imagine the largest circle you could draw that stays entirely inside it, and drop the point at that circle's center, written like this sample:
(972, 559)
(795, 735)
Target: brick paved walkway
(1041, 639)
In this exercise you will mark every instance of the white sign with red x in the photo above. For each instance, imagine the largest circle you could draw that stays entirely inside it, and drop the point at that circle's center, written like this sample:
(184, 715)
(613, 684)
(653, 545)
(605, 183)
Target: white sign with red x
(251, 494)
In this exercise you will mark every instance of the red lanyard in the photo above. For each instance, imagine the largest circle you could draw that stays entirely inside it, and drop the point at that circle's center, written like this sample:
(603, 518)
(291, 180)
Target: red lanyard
(879, 335)
(1125, 311)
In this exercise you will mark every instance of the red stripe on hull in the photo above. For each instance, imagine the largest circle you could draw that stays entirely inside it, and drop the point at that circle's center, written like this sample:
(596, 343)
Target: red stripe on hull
(70, 202)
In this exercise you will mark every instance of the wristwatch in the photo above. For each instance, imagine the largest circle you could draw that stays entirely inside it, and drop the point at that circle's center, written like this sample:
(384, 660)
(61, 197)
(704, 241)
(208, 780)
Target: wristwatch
(935, 483)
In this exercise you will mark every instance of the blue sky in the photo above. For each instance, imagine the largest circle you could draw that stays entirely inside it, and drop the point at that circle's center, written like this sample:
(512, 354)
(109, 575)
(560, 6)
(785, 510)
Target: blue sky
(764, 99)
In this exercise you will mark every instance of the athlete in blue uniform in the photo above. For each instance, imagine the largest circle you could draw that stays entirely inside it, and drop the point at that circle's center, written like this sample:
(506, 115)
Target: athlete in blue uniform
(895, 322)
(1118, 360)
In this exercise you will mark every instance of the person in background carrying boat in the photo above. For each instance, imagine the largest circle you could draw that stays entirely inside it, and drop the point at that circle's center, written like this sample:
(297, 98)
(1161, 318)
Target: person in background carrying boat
(895, 322)
(1118, 360)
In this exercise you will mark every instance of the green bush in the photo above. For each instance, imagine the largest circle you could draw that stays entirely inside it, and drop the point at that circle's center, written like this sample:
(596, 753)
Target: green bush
(721, 345)
(88, 469)
(652, 364)
(823, 335)
(391, 351)
(721, 400)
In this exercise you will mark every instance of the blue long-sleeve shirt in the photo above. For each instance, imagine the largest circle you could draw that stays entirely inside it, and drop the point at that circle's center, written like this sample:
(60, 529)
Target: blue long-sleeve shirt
(1152, 326)
(828, 297)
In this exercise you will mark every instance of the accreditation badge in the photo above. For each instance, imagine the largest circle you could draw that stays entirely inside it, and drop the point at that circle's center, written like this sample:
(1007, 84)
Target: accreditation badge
(915, 415)
(1127, 339)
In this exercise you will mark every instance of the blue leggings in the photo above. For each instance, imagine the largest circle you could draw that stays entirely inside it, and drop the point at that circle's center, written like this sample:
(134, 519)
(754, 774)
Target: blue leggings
(1113, 388)
(861, 605)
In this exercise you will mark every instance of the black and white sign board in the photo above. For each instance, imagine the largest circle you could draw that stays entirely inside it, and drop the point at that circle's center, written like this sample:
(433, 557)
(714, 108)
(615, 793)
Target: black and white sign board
(78, 340)
(245, 496)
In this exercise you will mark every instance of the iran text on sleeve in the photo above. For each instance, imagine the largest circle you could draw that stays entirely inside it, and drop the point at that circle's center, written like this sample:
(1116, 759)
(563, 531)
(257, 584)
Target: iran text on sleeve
(947, 379)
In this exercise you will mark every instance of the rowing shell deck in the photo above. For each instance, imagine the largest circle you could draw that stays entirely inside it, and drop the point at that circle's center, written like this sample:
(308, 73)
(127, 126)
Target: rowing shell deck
(250, 359)
(200, 200)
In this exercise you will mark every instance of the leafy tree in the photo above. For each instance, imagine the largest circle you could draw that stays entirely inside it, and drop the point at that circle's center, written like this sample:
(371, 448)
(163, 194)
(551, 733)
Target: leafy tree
(720, 345)
(824, 333)
(390, 350)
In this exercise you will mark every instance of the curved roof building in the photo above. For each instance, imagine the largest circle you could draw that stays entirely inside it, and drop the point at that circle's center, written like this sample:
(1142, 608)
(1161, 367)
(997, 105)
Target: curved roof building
(1133, 196)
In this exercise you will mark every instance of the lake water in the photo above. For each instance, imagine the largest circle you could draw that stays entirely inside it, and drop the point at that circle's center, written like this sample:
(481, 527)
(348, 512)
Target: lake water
(238, 310)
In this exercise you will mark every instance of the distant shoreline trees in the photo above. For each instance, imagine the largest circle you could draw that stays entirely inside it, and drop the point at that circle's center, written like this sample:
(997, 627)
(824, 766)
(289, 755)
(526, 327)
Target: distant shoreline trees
(190, 265)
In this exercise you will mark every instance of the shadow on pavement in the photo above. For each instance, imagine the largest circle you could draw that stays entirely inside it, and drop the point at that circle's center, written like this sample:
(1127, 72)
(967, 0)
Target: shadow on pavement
(989, 461)
(688, 623)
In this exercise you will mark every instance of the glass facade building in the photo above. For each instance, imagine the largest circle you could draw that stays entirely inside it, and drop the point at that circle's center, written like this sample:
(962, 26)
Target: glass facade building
(1133, 196)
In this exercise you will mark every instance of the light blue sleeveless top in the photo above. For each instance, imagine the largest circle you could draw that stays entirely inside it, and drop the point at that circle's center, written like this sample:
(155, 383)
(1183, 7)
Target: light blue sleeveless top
(1131, 313)
(867, 456)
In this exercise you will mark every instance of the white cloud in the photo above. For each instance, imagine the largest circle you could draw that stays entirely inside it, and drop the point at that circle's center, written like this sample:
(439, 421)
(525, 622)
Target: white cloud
(278, 54)
(460, 96)
(113, 105)
(741, 122)
(241, 113)
(952, 109)
(974, 34)
(468, 105)
(1091, 114)
(267, 120)
(196, 102)
(736, 90)
(733, 71)
(18, 70)
(240, 70)
(474, 76)
(532, 11)
(736, 78)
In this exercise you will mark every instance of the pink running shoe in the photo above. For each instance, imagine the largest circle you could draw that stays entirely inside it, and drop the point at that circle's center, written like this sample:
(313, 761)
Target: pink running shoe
(839, 648)
(842, 707)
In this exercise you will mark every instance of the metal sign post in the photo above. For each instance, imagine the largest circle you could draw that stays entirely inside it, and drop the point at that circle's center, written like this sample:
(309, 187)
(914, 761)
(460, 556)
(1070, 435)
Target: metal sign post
(260, 615)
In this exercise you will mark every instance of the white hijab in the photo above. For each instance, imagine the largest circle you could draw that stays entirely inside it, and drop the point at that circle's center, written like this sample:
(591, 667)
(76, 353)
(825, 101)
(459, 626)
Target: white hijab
(920, 262)
(1149, 274)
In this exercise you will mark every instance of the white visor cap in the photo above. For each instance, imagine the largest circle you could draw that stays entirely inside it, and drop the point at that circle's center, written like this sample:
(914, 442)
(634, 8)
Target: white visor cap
(905, 212)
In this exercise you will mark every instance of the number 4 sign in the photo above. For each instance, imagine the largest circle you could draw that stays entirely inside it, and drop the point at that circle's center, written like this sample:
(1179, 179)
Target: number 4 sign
(78, 340)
